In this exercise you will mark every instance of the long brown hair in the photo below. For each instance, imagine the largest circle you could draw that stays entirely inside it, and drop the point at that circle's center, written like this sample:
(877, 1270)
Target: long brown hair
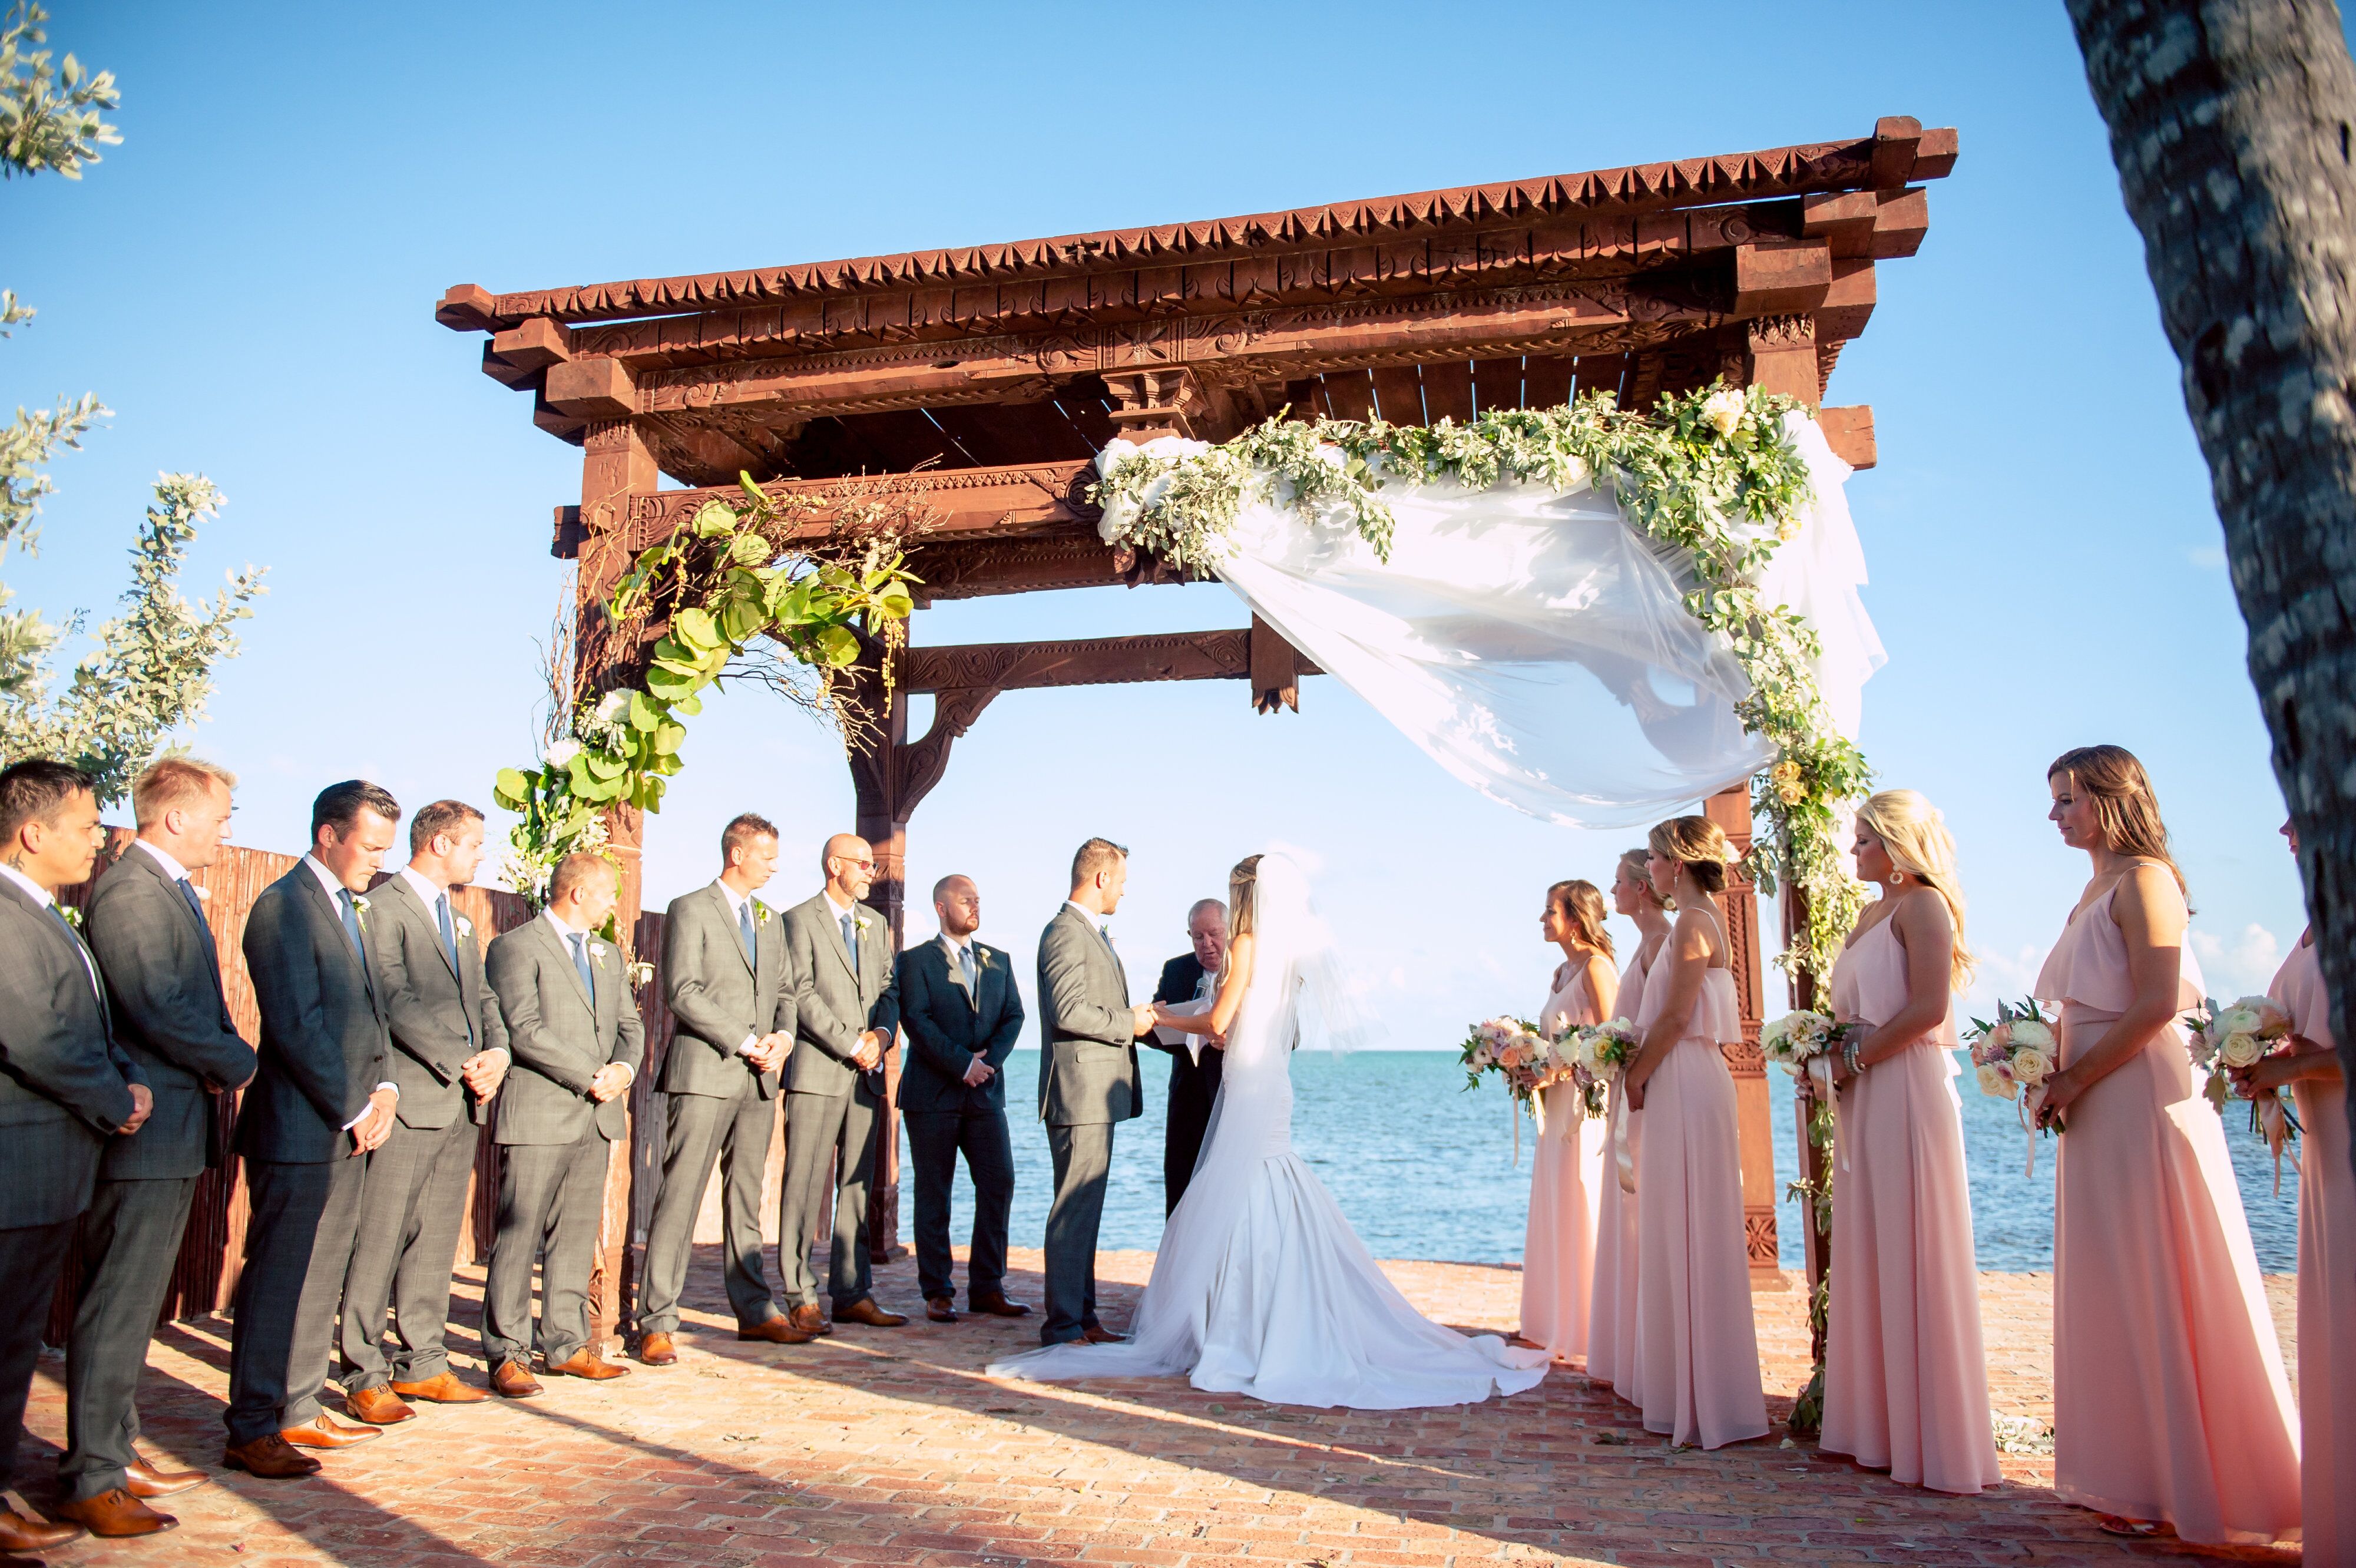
(1582, 905)
(1699, 843)
(2125, 808)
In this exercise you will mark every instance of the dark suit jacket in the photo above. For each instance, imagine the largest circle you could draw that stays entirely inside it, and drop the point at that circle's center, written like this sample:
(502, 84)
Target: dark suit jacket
(948, 1024)
(559, 1042)
(64, 1085)
(717, 996)
(836, 1006)
(1191, 1083)
(163, 980)
(439, 1015)
(324, 1041)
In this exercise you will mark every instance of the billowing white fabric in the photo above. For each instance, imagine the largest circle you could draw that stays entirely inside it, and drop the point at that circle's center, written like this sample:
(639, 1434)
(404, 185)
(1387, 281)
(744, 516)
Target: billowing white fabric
(1536, 645)
(1260, 1286)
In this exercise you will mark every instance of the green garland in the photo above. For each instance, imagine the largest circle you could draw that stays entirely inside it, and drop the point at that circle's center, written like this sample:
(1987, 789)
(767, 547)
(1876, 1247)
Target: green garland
(1686, 474)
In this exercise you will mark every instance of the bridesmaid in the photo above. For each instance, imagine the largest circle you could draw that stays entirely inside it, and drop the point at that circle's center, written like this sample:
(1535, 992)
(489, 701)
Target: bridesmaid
(1696, 1352)
(2327, 1253)
(1612, 1312)
(2169, 1403)
(1905, 1378)
(1559, 1252)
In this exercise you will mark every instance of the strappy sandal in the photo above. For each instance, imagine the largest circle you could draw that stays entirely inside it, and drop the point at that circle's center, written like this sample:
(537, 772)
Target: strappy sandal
(2118, 1524)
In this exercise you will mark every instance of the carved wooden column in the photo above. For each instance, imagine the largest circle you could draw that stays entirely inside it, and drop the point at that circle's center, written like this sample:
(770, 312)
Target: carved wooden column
(1815, 1164)
(1779, 355)
(1731, 810)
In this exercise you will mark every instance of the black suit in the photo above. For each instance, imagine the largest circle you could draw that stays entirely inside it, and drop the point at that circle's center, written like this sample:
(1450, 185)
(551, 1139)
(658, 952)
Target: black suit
(948, 1024)
(323, 1049)
(1193, 1086)
(163, 976)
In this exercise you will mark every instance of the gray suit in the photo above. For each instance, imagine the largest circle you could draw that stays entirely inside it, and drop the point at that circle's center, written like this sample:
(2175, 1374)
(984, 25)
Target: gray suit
(830, 1105)
(323, 1053)
(718, 1107)
(949, 1023)
(1088, 1083)
(64, 1089)
(441, 1013)
(163, 980)
(556, 1141)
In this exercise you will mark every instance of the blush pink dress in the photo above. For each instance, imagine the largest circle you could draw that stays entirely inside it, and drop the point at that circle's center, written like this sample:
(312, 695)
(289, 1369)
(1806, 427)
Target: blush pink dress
(1906, 1376)
(1696, 1351)
(1612, 1300)
(2169, 1400)
(2326, 1280)
(1558, 1249)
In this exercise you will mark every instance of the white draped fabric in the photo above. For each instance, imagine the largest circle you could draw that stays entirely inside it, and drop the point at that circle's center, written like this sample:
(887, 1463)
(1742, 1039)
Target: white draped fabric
(1536, 645)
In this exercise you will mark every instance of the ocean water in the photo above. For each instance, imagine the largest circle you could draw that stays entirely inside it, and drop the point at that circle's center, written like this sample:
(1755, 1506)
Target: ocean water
(1424, 1169)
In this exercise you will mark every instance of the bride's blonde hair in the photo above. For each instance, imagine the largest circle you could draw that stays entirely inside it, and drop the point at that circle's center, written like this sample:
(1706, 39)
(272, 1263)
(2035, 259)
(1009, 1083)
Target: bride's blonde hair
(1241, 883)
(1915, 835)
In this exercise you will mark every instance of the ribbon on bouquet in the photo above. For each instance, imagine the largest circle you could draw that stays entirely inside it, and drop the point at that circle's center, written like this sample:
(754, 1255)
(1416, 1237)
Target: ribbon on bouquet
(1623, 1159)
(2275, 1126)
(1821, 1086)
(2026, 1109)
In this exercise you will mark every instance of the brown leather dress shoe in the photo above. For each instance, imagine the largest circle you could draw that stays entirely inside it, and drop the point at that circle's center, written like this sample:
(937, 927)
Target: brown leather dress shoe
(1097, 1334)
(515, 1381)
(864, 1310)
(19, 1533)
(146, 1481)
(657, 1350)
(116, 1513)
(940, 1309)
(777, 1330)
(326, 1432)
(378, 1406)
(809, 1316)
(271, 1457)
(995, 1304)
(586, 1363)
(442, 1388)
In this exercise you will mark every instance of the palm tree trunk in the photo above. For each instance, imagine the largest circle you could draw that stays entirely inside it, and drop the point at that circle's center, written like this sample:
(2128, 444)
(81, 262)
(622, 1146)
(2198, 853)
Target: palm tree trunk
(2230, 123)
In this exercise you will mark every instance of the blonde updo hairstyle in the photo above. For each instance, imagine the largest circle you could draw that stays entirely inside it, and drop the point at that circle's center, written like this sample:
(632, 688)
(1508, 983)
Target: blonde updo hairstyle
(1915, 835)
(1241, 905)
(1637, 863)
(2125, 807)
(1581, 907)
(1699, 843)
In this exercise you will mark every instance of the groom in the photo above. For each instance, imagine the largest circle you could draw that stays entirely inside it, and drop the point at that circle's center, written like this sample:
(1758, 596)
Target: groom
(1088, 1081)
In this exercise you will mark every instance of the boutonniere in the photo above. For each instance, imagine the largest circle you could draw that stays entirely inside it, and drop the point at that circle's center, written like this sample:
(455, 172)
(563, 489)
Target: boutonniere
(980, 956)
(760, 913)
(466, 927)
(863, 921)
(360, 909)
(597, 954)
(204, 894)
(72, 915)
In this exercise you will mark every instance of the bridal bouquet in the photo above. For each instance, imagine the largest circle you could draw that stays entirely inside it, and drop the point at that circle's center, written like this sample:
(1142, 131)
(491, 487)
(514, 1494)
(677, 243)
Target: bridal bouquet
(2242, 1035)
(2015, 1055)
(1804, 1044)
(1529, 1063)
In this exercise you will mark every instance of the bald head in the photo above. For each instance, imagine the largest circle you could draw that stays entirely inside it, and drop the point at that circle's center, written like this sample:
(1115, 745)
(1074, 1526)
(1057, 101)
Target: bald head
(959, 904)
(850, 867)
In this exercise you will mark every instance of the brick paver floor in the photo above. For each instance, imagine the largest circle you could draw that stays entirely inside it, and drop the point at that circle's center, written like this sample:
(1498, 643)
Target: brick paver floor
(890, 1446)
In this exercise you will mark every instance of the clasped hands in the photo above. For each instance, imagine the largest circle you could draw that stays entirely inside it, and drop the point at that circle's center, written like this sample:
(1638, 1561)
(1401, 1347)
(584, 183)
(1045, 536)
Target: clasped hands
(375, 1124)
(611, 1080)
(483, 1073)
(1165, 1015)
(979, 1071)
(143, 1105)
(768, 1053)
(870, 1053)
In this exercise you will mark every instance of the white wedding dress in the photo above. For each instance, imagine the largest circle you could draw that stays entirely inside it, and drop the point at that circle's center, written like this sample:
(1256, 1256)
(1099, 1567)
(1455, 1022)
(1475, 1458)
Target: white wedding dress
(1260, 1287)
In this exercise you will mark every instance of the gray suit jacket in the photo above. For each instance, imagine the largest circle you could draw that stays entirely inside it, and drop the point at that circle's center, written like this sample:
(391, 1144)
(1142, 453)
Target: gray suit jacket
(64, 1085)
(1087, 1048)
(323, 1043)
(558, 1042)
(164, 981)
(948, 1024)
(717, 996)
(835, 1005)
(440, 1015)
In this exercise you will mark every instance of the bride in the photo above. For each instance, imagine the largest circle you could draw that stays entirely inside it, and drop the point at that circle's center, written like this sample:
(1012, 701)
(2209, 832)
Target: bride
(1260, 1287)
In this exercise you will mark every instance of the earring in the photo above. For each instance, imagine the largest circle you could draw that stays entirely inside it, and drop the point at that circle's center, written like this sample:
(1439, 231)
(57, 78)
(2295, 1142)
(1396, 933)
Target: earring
(1897, 879)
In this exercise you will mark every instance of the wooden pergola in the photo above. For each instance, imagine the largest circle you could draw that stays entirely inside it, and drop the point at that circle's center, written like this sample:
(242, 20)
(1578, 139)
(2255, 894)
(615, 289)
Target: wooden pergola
(986, 378)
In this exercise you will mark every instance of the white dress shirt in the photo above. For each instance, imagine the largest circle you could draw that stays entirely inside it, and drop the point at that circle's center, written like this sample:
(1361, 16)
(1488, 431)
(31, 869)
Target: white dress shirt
(172, 869)
(428, 893)
(40, 894)
(336, 891)
(565, 935)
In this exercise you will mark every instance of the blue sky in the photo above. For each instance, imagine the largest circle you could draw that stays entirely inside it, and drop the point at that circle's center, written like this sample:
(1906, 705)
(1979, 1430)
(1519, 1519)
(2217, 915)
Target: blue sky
(249, 281)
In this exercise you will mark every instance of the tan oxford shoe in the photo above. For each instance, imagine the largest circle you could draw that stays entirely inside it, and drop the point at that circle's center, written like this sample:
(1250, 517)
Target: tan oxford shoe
(442, 1388)
(940, 1309)
(586, 1363)
(146, 1481)
(1097, 1334)
(864, 1310)
(378, 1406)
(271, 1457)
(995, 1304)
(777, 1330)
(514, 1381)
(114, 1514)
(657, 1350)
(809, 1319)
(19, 1533)
(326, 1432)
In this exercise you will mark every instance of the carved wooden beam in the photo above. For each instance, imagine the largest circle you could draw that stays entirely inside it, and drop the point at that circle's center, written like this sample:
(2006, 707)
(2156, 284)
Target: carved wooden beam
(1092, 661)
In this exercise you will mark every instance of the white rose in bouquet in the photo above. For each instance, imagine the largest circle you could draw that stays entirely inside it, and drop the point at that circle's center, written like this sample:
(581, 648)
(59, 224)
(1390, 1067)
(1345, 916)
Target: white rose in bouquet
(1723, 409)
(2029, 1032)
(2241, 1018)
(2241, 1050)
(2031, 1066)
(1992, 1081)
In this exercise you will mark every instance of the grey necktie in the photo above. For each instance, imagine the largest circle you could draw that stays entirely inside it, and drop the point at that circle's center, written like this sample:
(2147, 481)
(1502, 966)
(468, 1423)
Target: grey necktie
(965, 962)
(581, 962)
(850, 941)
(352, 926)
(744, 928)
(450, 940)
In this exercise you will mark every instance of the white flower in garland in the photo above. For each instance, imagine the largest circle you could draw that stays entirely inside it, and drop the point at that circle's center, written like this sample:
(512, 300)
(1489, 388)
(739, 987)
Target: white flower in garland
(1724, 410)
(561, 754)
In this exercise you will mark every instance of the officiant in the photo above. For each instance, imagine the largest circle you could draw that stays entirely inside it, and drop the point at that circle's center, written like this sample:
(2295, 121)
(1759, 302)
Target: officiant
(1195, 1062)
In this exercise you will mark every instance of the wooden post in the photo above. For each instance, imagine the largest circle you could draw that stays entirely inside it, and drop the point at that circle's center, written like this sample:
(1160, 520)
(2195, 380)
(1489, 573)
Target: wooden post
(883, 822)
(1731, 810)
(1816, 1168)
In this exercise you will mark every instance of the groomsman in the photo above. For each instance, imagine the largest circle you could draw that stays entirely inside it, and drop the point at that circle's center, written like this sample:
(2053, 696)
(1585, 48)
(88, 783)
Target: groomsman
(733, 997)
(962, 1014)
(573, 1029)
(148, 927)
(320, 1101)
(1193, 1076)
(64, 1088)
(1088, 1081)
(449, 1055)
(849, 1014)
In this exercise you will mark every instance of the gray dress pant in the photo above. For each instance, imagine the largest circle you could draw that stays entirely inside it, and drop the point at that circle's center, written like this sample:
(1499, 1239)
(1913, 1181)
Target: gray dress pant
(130, 1240)
(410, 1215)
(31, 1257)
(298, 1247)
(552, 1200)
(820, 1127)
(935, 1138)
(1082, 1159)
(702, 1130)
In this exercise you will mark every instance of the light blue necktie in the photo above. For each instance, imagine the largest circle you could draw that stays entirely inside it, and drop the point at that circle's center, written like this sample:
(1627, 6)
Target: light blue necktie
(744, 928)
(581, 962)
(850, 941)
(965, 962)
(450, 940)
(352, 926)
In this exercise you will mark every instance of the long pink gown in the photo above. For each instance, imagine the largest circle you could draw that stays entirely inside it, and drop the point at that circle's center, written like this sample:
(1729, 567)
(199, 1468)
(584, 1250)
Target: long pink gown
(1697, 1350)
(1612, 1300)
(2169, 1400)
(2326, 1280)
(1905, 1376)
(1558, 1250)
